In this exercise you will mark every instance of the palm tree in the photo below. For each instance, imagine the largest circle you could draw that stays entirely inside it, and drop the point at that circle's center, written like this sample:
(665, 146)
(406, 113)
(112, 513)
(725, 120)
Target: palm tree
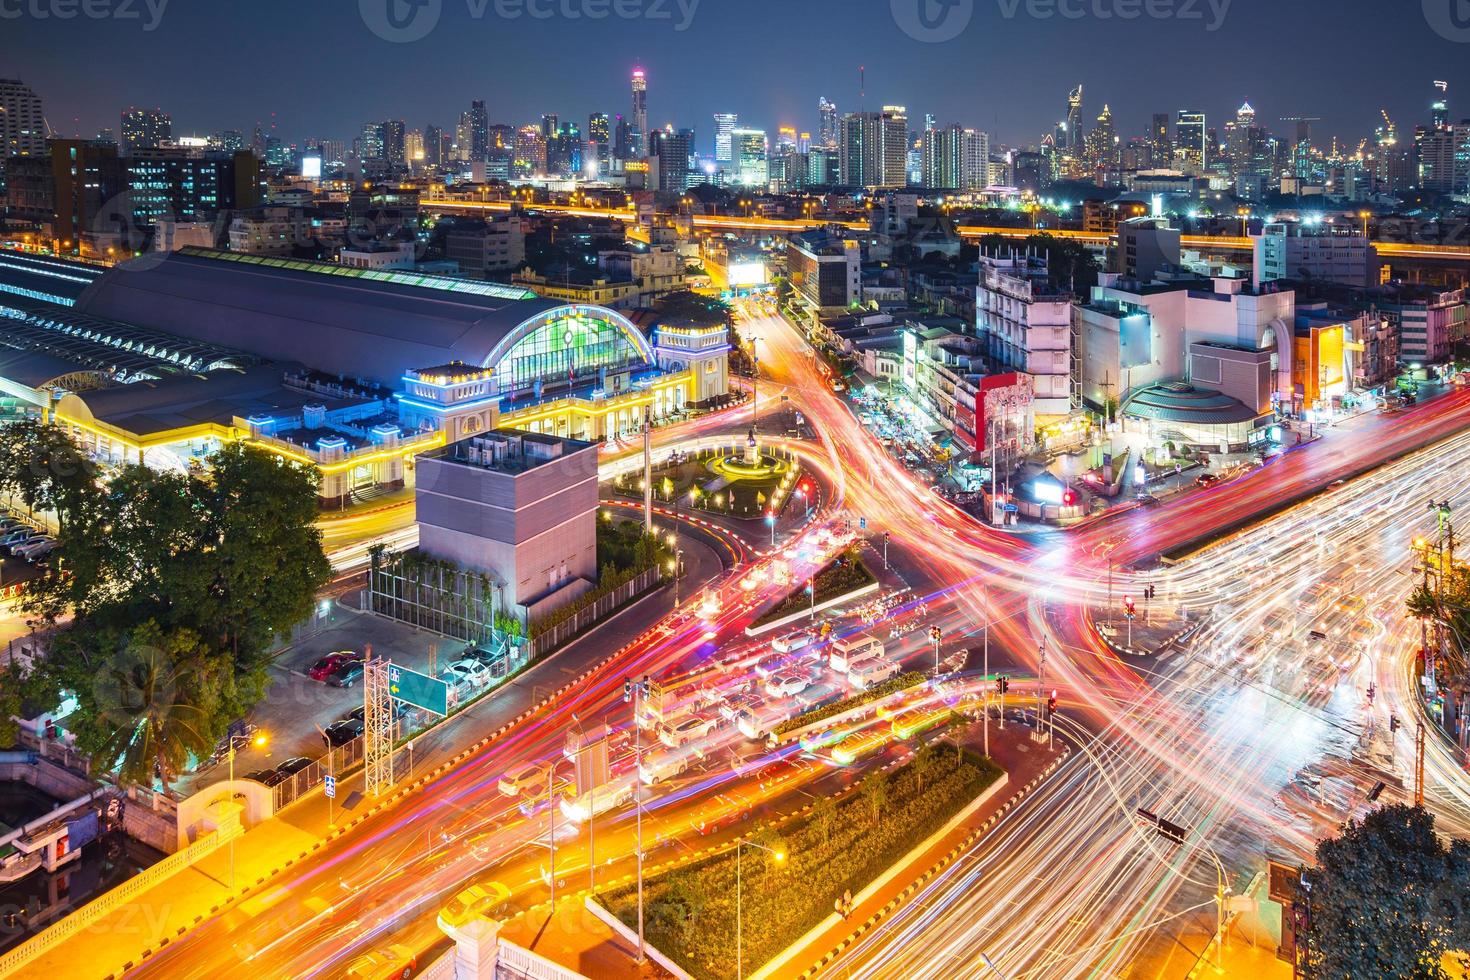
(144, 691)
(875, 791)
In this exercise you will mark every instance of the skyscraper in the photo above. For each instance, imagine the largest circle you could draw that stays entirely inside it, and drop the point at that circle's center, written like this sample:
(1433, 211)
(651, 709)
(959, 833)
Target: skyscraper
(1189, 140)
(479, 126)
(752, 165)
(22, 125)
(828, 126)
(370, 143)
(599, 140)
(395, 144)
(674, 150)
(1074, 122)
(144, 129)
(1161, 150)
(725, 124)
(1440, 108)
(433, 146)
(874, 148)
(955, 159)
(638, 121)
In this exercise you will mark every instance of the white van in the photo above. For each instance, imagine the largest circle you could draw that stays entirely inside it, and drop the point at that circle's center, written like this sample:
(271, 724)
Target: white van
(847, 651)
(874, 670)
(528, 779)
(792, 641)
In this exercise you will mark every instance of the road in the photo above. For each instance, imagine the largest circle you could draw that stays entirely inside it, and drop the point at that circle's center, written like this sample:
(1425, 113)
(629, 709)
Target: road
(1198, 737)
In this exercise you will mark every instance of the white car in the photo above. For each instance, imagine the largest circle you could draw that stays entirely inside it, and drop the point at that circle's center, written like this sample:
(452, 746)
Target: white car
(686, 731)
(32, 548)
(785, 685)
(528, 779)
(467, 672)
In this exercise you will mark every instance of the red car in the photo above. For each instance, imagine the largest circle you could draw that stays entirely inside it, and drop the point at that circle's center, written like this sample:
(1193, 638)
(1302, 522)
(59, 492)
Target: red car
(328, 665)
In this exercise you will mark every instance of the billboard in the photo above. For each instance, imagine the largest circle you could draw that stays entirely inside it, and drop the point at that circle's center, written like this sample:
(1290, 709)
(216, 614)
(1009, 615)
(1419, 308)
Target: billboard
(311, 168)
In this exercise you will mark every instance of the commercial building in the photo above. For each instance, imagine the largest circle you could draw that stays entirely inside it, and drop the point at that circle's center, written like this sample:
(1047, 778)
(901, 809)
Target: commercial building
(496, 245)
(749, 149)
(352, 371)
(22, 124)
(518, 507)
(825, 268)
(1026, 325)
(1319, 251)
(144, 129)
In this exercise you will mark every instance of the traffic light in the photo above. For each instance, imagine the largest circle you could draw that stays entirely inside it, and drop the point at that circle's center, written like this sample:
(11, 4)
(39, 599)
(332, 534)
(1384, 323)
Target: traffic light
(1005, 684)
(627, 689)
(934, 633)
(1051, 703)
(1393, 723)
(1069, 498)
(1128, 606)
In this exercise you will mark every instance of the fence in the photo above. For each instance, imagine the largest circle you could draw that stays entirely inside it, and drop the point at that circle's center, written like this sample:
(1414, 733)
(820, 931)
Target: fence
(337, 760)
(512, 961)
(433, 595)
(110, 901)
(553, 637)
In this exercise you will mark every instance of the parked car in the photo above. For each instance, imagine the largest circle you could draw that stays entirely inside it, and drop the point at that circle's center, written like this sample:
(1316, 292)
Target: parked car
(468, 672)
(340, 732)
(15, 536)
(269, 777)
(292, 766)
(348, 673)
(326, 666)
(35, 547)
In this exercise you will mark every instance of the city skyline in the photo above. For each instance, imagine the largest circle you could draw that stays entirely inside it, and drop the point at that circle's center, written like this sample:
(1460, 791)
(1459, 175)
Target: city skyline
(686, 89)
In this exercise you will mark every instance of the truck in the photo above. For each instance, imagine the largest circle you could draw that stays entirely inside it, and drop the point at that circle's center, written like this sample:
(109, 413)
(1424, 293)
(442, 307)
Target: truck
(844, 652)
(874, 670)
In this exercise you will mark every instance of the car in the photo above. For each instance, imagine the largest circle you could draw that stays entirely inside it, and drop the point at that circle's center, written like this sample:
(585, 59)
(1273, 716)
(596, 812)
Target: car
(1206, 480)
(15, 536)
(35, 547)
(785, 685)
(740, 701)
(342, 731)
(292, 766)
(328, 665)
(479, 899)
(526, 780)
(687, 730)
(394, 960)
(269, 777)
(467, 672)
(348, 673)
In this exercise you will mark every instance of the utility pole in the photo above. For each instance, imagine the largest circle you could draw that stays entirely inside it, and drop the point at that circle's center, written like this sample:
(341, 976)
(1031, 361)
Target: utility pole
(1419, 765)
(986, 669)
(636, 692)
(885, 551)
(1040, 688)
(648, 470)
(934, 634)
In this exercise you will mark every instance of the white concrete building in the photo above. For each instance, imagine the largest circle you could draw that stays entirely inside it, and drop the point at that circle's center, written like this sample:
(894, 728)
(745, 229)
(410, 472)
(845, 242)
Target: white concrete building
(1026, 326)
(1323, 252)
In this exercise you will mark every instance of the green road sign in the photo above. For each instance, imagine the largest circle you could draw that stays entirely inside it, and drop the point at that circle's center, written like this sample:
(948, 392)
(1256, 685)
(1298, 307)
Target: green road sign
(419, 690)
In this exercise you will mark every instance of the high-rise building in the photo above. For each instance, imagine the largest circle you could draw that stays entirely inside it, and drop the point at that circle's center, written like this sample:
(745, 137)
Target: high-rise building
(228, 140)
(674, 150)
(530, 152)
(725, 124)
(750, 152)
(395, 143)
(479, 128)
(828, 125)
(144, 129)
(955, 159)
(1102, 142)
(563, 147)
(22, 123)
(622, 139)
(370, 143)
(433, 146)
(1161, 150)
(1189, 140)
(874, 148)
(1440, 108)
(785, 140)
(500, 151)
(1074, 122)
(548, 124)
(638, 121)
(413, 149)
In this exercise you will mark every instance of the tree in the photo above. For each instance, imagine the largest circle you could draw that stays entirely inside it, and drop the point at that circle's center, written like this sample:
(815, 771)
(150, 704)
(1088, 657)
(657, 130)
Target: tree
(875, 793)
(153, 697)
(44, 467)
(1387, 898)
(218, 562)
(824, 817)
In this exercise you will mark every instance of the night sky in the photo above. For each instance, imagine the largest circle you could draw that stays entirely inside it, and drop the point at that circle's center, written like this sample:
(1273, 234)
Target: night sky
(216, 64)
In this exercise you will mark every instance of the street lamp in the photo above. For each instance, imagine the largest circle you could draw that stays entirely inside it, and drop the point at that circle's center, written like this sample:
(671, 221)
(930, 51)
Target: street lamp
(259, 740)
(771, 520)
(635, 692)
(780, 857)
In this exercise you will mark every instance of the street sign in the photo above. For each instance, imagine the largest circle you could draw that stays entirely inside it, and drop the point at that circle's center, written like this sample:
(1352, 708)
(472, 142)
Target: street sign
(419, 690)
(329, 783)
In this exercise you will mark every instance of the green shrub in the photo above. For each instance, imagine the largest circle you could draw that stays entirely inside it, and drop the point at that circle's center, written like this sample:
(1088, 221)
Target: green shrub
(843, 574)
(897, 683)
(690, 913)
